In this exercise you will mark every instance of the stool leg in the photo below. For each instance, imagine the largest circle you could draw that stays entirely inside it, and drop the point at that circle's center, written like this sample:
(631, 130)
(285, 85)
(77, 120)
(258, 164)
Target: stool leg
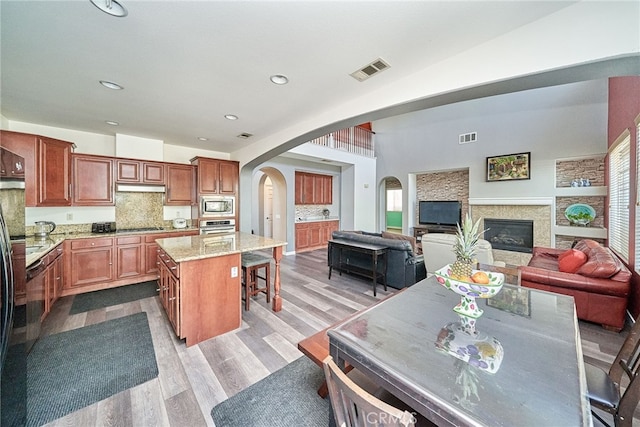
(268, 283)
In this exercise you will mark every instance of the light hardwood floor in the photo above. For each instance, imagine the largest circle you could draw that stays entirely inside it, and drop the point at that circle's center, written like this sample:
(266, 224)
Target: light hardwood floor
(193, 380)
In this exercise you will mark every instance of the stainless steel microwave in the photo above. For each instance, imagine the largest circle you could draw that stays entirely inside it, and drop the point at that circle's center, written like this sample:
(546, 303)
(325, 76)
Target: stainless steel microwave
(217, 206)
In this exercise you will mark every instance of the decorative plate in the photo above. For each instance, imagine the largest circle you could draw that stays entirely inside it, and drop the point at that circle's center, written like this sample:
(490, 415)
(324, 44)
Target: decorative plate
(580, 214)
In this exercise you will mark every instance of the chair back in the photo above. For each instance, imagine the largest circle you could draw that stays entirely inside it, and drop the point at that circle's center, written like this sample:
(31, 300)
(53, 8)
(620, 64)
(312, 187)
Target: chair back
(353, 406)
(626, 367)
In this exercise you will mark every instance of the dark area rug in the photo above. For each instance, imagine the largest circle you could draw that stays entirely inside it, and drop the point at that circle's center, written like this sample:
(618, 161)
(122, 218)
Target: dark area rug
(114, 296)
(74, 369)
(288, 397)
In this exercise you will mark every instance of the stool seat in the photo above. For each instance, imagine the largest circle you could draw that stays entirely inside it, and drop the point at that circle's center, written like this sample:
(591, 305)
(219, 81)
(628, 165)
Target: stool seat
(251, 263)
(250, 259)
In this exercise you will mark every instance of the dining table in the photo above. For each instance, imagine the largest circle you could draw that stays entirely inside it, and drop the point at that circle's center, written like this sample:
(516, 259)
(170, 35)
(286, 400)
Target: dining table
(519, 364)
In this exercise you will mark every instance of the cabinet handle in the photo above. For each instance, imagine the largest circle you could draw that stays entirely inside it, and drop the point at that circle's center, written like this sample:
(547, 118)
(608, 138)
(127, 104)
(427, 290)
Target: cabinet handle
(172, 299)
(173, 268)
(93, 244)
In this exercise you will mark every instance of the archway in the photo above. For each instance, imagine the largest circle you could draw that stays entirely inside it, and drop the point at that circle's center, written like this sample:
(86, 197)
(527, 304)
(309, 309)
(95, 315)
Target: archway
(391, 204)
(271, 215)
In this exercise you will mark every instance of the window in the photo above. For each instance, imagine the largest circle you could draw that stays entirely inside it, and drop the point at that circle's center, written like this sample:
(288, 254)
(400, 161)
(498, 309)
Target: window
(619, 169)
(394, 200)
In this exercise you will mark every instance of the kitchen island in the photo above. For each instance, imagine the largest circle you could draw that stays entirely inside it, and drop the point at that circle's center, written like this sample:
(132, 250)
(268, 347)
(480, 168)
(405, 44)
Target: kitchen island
(199, 281)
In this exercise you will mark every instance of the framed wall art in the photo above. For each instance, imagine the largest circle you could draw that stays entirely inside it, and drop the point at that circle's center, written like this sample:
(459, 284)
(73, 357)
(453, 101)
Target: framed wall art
(509, 167)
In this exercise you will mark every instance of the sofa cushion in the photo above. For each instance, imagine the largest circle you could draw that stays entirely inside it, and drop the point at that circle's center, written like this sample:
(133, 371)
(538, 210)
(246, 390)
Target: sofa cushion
(571, 260)
(600, 263)
(396, 236)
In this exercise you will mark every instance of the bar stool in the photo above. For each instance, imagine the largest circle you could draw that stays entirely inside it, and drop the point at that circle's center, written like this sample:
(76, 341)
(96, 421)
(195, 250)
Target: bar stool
(251, 264)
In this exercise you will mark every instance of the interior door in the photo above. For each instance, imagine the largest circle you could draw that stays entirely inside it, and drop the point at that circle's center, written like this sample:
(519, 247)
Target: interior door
(268, 208)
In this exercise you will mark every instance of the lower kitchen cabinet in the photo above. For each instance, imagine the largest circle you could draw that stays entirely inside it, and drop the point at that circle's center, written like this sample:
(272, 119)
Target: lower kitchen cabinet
(90, 261)
(130, 262)
(18, 259)
(53, 278)
(200, 297)
(314, 234)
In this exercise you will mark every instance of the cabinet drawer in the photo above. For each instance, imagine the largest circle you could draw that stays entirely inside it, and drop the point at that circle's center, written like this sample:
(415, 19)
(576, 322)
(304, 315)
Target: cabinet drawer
(91, 243)
(129, 240)
(170, 263)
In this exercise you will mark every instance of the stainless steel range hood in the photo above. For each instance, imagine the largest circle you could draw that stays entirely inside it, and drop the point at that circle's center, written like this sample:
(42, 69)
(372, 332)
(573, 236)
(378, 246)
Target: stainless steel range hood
(140, 188)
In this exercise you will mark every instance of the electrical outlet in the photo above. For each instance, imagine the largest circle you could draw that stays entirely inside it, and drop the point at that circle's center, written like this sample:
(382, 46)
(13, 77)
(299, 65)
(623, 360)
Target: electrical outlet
(69, 216)
(234, 271)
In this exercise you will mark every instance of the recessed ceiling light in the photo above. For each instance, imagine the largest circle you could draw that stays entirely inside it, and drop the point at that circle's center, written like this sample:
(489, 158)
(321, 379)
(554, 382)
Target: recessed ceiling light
(111, 85)
(112, 7)
(231, 117)
(202, 138)
(279, 79)
(112, 123)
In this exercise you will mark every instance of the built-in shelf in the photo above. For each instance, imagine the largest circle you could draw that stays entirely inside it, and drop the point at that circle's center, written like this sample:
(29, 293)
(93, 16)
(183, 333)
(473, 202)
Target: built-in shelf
(581, 191)
(586, 232)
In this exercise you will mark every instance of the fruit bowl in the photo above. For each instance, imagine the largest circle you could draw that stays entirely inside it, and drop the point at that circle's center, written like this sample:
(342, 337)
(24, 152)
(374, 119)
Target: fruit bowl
(470, 290)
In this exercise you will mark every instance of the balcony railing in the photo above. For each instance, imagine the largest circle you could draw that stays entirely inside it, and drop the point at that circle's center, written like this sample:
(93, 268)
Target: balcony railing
(355, 140)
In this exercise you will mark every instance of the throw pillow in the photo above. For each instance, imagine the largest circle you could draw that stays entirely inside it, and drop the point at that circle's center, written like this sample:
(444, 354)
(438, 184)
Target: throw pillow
(602, 263)
(410, 239)
(571, 260)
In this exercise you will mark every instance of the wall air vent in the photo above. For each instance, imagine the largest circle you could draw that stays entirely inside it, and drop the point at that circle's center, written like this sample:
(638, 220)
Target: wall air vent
(466, 138)
(245, 135)
(370, 70)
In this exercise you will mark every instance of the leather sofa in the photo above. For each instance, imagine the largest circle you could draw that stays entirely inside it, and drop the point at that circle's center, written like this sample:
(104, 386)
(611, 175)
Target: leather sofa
(437, 249)
(404, 267)
(600, 286)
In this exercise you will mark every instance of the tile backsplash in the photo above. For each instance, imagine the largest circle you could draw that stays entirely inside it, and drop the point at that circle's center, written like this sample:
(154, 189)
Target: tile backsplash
(135, 210)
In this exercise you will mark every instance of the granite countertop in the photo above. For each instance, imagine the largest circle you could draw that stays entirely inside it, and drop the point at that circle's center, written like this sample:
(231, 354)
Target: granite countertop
(316, 219)
(190, 248)
(39, 247)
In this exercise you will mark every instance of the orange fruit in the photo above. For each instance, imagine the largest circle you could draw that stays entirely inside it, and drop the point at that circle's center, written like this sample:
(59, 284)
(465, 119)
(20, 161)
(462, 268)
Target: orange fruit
(480, 277)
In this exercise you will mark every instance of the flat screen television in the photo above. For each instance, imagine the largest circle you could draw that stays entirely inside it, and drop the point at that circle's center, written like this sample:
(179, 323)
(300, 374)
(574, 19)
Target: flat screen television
(439, 212)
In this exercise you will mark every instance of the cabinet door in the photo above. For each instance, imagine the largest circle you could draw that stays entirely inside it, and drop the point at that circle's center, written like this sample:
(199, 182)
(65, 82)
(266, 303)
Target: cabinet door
(53, 173)
(299, 190)
(151, 258)
(208, 173)
(130, 257)
(180, 185)
(315, 235)
(302, 236)
(90, 262)
(92, 181)
(49, 287)
(308, 188)
(318, 190)
(153, 173)
(59, 270)
(128, 171)
(18, 259)
(228, 182)
(327, 190)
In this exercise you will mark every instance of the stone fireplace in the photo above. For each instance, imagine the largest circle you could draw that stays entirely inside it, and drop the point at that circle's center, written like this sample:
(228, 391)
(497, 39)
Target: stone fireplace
(538, 211)
(509, 234)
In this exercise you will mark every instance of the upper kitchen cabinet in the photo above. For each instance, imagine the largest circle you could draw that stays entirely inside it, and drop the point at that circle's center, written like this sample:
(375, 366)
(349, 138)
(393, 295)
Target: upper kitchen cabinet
(92, 180)
(180, 188)
(47, 163)
(129, 171)
(313, 189)
(11, 165)
(216, 176)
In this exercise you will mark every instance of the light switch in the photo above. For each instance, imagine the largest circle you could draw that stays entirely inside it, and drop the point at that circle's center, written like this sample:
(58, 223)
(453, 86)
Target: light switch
(234, 271)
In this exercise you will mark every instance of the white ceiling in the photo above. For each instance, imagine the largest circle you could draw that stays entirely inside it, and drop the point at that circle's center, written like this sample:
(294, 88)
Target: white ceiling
(184, 65)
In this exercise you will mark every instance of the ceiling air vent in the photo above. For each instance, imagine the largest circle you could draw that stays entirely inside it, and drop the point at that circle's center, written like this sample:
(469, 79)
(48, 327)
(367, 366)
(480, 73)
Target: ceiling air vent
(466, 138)
(245, 135)
(370, 70)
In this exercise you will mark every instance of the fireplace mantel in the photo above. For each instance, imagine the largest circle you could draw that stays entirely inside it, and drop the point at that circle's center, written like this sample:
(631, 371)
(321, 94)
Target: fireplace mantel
(513, 201)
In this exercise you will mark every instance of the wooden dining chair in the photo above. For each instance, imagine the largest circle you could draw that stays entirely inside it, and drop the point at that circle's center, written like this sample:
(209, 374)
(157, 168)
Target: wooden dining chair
(353, 406)
(604, 389)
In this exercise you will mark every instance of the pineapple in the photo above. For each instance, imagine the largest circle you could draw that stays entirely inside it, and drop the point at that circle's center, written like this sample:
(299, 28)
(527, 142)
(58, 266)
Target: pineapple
(465, 248)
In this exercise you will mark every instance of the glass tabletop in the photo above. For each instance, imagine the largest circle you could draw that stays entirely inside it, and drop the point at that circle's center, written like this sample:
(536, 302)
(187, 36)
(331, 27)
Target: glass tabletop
(522, 366)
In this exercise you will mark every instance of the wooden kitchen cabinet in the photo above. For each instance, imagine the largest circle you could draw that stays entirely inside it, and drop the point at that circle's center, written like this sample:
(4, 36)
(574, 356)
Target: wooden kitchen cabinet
(216, 176)
(53, 277)
(90, 261)
(130, 257)
(199, 309)
(18, 259)
(314, 234)
(180, 185)
(313, 189)
(130, 171)
(11, 165)
(47, 164)
(92, 180)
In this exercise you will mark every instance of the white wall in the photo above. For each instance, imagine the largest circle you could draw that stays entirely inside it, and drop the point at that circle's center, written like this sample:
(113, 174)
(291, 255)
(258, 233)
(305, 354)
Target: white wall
(551, 123)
